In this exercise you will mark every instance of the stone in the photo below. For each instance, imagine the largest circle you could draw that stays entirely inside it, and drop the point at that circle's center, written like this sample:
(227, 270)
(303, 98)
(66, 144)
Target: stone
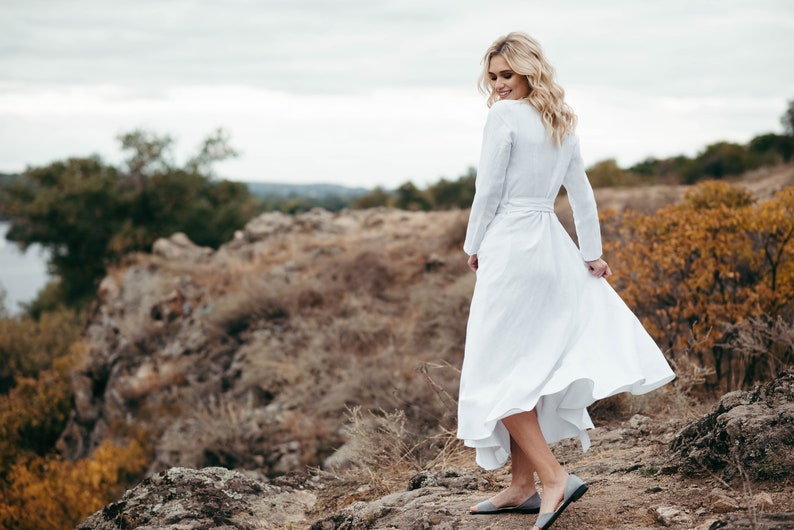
(721, 501)
(763, 501)
(193, 499)
(748, 433)
(672, 516)
(180, 247)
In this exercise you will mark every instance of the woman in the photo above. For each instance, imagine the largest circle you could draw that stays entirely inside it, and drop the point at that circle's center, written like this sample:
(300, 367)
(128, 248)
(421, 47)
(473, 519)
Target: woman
(547, 335)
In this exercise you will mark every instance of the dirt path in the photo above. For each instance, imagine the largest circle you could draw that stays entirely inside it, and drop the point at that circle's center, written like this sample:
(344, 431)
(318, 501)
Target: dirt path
(633, 485)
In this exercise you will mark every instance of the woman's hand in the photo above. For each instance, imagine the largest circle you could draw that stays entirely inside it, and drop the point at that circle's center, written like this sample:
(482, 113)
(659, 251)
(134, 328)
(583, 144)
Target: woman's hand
(599, 268)
(473, 264)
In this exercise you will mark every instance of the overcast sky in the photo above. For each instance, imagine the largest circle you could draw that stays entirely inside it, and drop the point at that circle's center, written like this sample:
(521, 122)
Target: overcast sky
(373, 92)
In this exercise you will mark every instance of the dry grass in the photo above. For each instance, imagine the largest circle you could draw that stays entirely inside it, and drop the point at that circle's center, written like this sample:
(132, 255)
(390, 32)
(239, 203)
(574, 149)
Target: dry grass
(325, 322)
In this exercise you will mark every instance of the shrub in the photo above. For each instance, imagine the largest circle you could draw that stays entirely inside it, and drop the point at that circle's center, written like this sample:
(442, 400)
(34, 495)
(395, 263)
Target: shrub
(695, 270)
(32, 417)
(29, 345)
(45, 493)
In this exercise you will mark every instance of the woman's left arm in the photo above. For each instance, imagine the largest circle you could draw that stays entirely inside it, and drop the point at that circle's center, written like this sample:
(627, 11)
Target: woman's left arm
(585, 213)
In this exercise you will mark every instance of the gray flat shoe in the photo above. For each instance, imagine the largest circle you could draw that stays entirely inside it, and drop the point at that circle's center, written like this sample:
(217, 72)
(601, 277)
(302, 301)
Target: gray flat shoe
(574, 489)
(531, 505)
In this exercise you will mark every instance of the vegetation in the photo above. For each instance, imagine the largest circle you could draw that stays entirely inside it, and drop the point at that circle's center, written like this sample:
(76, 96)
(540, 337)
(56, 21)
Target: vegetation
(706, 274)
(39, 490)
(90, 214)
(48, 493)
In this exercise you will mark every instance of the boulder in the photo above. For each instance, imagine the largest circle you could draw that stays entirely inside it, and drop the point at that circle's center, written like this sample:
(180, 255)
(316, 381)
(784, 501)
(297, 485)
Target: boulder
(180, 247)
(192, 499)
(748, 434)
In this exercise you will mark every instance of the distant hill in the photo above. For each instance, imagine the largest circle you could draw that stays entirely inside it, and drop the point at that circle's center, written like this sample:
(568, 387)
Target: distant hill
(311, 191)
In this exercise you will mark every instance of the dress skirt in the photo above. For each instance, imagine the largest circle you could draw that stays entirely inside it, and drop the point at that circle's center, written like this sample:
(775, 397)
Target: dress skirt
(544, 334)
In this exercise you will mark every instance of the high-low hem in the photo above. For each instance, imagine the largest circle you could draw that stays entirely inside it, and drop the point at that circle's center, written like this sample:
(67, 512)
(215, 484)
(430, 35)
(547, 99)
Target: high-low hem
(493, 450)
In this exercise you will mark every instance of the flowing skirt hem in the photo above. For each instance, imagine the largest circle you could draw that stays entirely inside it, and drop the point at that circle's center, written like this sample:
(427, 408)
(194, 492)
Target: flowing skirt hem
(562, 414)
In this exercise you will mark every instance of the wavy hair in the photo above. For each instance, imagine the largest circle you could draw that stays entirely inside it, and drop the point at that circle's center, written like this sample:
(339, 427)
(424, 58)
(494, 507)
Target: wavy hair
(525, 57)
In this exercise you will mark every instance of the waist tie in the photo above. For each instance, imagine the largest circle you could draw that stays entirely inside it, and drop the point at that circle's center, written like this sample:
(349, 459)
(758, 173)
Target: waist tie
(527, 205)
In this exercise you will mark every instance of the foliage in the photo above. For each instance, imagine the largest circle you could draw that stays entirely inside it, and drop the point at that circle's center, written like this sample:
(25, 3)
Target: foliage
(29, 346)
(36, 356)
(375, 198)
(608, 173)
(770, 148)
(719, 160)
(50, 493)
(90, 214)
(443, 195)
(409, 197)
(38, 490)
(459, 193)
(696, 269)
(32, 416)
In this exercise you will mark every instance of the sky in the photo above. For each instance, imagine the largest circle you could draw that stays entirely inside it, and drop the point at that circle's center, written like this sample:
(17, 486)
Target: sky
(367, 93)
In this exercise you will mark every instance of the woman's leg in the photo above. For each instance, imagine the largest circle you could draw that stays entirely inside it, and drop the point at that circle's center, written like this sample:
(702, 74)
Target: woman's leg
(523, 473)
(525, 430)
(522, 484)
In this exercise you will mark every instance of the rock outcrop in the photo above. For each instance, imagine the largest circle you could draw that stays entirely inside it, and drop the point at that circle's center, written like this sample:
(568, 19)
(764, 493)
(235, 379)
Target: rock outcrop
(749, 433)
(190, 499)
(249, 357)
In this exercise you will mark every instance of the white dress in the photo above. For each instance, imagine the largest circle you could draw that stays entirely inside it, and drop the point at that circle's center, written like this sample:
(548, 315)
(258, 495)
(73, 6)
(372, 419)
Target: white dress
(543, 332)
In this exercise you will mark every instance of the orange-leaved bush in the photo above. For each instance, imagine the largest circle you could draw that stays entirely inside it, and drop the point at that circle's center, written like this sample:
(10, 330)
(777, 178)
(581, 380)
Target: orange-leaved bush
(694, 271)
(48, 493)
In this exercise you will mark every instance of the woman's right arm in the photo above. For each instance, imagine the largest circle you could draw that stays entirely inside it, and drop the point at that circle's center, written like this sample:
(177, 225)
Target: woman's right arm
(489, 184)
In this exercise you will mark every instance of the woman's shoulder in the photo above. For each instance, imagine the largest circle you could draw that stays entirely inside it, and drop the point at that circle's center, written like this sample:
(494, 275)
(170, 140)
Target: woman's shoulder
(571, 139)
(508, 106)
(510, 111)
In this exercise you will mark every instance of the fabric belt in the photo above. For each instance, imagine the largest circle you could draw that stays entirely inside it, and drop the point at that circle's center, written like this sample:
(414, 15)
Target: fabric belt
(527, 205)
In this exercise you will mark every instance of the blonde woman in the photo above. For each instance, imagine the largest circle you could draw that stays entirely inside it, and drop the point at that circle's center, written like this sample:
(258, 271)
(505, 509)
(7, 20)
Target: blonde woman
(547, 335)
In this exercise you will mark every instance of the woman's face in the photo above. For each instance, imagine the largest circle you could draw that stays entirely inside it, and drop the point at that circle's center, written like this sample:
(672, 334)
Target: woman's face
(506, 83)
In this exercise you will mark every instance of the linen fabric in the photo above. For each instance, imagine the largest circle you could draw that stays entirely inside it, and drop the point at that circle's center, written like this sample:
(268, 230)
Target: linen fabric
(543, 332)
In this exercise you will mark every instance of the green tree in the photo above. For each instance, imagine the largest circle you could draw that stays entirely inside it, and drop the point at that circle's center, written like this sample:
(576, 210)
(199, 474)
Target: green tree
(90, 214)
(373, 199)
(446, 194)
(71, 207)
(719, 160)
(771, 148)
(409, 197)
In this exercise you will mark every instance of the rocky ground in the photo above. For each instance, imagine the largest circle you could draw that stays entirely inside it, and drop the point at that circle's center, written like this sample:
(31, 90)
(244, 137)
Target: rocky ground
(639, 478)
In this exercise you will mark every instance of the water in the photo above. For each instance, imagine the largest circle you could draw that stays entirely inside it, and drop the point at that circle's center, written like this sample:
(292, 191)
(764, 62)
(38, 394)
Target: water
(22, 274)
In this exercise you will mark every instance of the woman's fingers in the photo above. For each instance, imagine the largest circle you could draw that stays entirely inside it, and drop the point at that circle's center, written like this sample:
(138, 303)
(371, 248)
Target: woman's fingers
(599, 268)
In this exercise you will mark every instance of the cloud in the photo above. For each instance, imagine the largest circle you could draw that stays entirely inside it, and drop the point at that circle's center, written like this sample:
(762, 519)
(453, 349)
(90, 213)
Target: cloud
(363, 91)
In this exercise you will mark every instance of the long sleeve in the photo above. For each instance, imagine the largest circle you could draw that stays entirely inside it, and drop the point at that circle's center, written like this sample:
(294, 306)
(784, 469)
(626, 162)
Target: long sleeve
(585, 213)
(489, 184)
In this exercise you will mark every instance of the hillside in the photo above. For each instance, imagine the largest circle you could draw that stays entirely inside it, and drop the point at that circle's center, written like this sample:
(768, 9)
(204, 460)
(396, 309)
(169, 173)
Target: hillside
(256, 357)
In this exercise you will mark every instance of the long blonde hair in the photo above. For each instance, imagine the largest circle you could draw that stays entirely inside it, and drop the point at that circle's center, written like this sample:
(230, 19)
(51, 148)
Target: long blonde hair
(525, 57)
